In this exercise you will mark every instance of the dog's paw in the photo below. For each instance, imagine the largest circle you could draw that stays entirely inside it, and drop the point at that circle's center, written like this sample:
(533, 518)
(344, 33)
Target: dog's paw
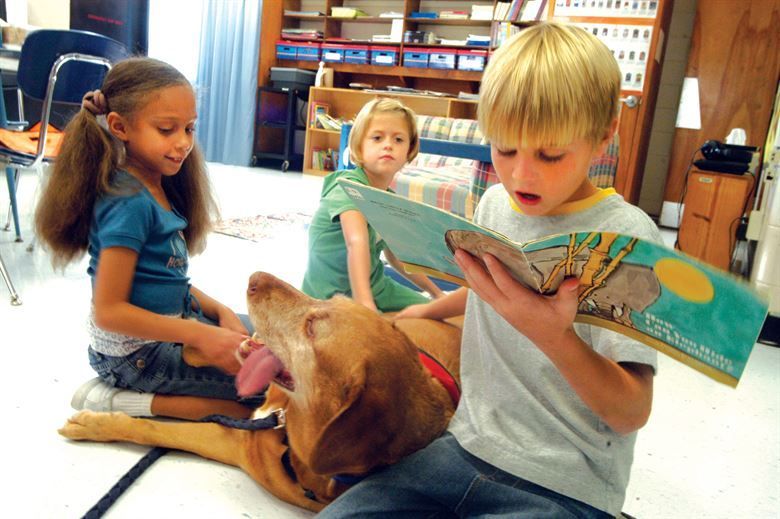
(89, 425)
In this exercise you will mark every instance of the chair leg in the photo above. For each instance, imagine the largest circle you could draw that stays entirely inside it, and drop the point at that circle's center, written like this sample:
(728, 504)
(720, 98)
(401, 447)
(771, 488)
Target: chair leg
(15, 299)
(12, 179)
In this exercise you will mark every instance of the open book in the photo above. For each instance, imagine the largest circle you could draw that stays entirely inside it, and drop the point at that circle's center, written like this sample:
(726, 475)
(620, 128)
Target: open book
(697, 314)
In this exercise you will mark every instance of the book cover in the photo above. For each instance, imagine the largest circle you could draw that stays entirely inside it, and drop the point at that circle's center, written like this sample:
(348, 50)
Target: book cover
(697, 314)
(316, 108)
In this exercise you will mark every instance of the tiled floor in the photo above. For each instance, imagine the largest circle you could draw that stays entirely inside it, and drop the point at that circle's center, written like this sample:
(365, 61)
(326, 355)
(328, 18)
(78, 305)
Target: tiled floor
(708, 451)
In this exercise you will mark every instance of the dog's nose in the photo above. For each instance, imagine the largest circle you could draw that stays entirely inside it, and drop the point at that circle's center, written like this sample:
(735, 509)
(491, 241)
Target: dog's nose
(259, 282)
(254, 281)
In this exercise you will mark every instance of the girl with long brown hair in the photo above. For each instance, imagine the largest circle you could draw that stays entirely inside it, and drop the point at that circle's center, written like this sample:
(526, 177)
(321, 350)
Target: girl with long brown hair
(132, 191)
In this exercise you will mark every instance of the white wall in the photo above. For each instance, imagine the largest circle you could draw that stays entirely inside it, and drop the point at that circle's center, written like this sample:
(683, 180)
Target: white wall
(659, 150)
(49, 14)
(174, 33)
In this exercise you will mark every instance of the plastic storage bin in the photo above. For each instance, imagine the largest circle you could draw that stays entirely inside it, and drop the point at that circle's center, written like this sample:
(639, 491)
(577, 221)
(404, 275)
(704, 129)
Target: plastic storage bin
(356, 54)
(308, 51)
(442, 58)
(472, 59)
(416, 57)
(384, 56)
(286, 50)
(333, 52)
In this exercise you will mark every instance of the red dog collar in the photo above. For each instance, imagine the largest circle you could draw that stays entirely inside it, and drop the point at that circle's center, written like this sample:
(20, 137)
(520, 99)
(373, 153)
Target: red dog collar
(441, 374)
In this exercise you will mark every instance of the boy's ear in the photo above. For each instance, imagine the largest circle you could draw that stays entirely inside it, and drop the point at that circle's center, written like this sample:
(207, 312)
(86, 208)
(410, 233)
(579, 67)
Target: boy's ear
(117, 125)
(611, 130)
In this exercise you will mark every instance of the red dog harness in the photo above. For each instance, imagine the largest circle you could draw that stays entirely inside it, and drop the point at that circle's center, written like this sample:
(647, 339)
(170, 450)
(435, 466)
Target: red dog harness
(441, 374)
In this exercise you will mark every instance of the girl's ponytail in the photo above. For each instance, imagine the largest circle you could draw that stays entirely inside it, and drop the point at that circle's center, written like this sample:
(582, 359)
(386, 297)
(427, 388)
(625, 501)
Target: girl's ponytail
(82, 171)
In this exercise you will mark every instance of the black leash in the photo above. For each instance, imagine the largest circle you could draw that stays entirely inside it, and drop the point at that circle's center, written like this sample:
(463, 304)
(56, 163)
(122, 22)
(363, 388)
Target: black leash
(272, 421)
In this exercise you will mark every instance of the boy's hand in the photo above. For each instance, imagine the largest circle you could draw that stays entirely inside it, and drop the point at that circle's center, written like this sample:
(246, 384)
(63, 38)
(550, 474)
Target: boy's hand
(543, 319)
(419, 311)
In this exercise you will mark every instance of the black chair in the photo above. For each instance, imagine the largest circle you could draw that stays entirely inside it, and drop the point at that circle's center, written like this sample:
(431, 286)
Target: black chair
(54, 66)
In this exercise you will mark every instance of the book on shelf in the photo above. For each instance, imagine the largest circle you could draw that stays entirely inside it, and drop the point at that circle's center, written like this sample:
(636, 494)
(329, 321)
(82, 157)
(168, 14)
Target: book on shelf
(478, 40)
(316, 108)
(481, 12)
(327, 122)
(301, 34)
(534, 11)
(391, 14)
(451, 14)
(325, 159)
(502, 31)
(291, 12)
(430, 15)
(501, 10)
(347, 12)
(699, 315)
(515, 9)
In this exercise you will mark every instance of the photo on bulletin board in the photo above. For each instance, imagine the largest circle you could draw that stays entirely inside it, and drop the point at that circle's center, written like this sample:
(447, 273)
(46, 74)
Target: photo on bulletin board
(607, 8)
(630, 45)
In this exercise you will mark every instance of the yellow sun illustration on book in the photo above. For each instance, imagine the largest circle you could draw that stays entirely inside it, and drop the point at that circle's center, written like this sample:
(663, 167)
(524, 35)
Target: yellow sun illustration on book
(684, 280)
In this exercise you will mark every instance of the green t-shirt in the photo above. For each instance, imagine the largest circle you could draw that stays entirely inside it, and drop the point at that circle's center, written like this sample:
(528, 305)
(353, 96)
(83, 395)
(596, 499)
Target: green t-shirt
(327, 273)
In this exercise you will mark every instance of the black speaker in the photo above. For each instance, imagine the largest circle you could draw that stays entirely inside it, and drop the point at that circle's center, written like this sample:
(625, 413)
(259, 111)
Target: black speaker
(722, 166)
(126, 21)
(718, 151)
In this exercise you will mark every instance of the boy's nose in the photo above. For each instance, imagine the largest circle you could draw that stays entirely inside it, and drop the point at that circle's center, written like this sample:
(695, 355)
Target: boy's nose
(522, 167)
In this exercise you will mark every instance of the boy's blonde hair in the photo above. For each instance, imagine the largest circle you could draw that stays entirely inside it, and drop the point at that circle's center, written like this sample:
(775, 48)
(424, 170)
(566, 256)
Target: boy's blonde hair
(381, 105)
(547, 86)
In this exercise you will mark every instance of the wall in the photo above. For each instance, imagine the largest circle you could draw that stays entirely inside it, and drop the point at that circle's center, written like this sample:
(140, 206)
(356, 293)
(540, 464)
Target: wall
(660, 146)
(49, 14)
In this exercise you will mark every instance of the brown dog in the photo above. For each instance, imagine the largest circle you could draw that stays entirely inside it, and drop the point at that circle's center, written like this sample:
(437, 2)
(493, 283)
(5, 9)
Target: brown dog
(355, 394)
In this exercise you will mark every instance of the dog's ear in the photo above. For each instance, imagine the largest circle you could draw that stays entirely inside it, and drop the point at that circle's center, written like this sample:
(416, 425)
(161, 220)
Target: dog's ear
(350, 442)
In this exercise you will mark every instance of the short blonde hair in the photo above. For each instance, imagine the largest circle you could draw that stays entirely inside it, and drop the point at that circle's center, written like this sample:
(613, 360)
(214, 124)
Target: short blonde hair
(384, 105)
(547, 86)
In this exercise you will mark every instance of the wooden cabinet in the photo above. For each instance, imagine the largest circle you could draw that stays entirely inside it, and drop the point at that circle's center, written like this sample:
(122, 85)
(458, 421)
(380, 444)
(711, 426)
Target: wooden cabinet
(347, 103)
(336, 30)
(714, 205)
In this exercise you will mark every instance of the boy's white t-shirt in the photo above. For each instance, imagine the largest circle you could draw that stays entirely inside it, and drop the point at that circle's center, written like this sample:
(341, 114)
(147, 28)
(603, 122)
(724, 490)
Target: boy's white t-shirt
(517, 412)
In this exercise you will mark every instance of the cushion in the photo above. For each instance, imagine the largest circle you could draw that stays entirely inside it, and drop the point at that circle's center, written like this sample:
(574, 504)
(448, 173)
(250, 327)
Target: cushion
(432, 127)
(465, 130)
(446, 188)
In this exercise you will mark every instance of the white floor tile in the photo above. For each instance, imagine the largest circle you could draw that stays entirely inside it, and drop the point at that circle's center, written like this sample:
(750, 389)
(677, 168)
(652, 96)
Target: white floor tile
(708, 451)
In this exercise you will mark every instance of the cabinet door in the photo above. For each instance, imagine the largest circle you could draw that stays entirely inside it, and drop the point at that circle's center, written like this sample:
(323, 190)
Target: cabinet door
(714, 204)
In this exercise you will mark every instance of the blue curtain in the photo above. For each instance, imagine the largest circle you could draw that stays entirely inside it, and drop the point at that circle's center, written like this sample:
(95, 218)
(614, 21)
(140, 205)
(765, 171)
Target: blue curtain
(227, 79)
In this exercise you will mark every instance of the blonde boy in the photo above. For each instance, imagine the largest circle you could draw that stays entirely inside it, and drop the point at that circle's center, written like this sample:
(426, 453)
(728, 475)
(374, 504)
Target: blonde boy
(550, 409)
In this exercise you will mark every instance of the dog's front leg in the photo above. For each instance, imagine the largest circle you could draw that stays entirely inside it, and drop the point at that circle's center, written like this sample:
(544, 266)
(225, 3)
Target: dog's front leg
(209, 440)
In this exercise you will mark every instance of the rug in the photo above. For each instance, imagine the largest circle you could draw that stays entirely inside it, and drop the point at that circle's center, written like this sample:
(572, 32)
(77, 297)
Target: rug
(264, 226)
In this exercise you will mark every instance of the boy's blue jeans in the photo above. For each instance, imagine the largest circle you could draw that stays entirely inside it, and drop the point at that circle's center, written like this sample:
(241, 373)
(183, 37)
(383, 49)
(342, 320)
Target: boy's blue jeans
(443, 480)
(159, 368)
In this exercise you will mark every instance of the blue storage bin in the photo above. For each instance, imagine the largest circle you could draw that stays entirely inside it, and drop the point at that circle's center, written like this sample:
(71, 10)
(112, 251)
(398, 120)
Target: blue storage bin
(444, 59)
(384, 56)
(308, 51)
(286, 50)
(416, 58)
(472, 60)
(332, 52)
(356, 54)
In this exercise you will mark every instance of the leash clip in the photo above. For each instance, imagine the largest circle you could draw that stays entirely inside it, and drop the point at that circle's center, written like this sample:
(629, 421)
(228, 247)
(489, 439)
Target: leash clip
(281, 417)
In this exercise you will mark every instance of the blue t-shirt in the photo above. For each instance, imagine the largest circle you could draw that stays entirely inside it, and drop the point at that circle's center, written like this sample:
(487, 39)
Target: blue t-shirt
(132, 218)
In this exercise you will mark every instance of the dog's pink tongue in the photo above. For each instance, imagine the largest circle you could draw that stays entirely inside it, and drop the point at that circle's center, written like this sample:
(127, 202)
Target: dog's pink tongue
(257, 371)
